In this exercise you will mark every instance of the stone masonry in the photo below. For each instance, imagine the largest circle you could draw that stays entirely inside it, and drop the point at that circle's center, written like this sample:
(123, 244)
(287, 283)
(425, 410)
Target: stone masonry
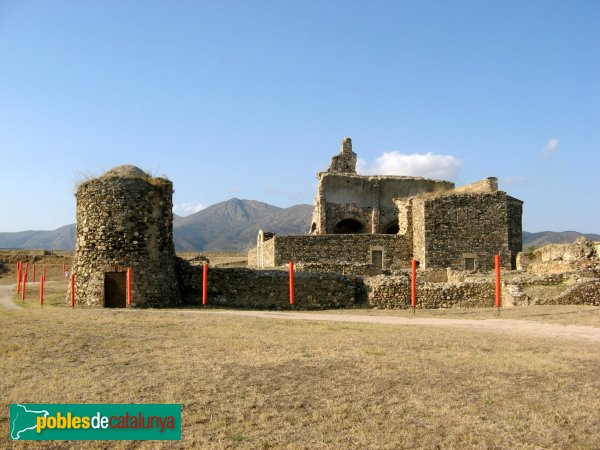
(247, 288)
(432, 221)
(125, 219)
(350, 203)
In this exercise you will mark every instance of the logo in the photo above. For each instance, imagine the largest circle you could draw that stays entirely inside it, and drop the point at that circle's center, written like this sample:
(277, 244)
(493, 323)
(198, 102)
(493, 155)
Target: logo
(95, 422)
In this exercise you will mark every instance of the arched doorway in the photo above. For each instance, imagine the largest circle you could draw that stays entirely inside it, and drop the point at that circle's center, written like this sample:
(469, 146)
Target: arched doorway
(348, 226)
(392, 228)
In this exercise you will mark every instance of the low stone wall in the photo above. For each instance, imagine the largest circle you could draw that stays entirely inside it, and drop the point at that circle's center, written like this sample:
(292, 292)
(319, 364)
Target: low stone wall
(349, 248)
(344, 268)
(583, 293)
(389, 292)
(269, 289)
(580, 256)
(18, 252)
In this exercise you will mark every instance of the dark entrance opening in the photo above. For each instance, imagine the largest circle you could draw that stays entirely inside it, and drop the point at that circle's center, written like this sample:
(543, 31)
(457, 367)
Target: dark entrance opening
(348, 226)
(392, 228)
(115, 293)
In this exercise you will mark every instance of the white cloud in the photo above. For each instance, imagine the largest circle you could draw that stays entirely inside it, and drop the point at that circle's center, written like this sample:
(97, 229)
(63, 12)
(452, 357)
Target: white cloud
(185, 209)
(428, 165)
(550, 148)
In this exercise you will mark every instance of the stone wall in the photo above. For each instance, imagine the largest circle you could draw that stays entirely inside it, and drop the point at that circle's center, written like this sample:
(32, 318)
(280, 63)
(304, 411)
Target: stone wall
(253, 258)
(339, 248)
(125, 219)
(582, 255)
(366, 199)
(345, 268)
(393, 292)
(464, 226)
(583, 293)
(487, 185)
(269, 289)
(418, 227)
(515, 228)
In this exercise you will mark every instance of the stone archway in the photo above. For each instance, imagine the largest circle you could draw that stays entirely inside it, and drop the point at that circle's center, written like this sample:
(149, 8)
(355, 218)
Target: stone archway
(348, 226)
(392, 228)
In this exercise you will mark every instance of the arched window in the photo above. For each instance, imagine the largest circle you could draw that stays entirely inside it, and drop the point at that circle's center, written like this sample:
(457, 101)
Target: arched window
(313, 227)
(348, 226)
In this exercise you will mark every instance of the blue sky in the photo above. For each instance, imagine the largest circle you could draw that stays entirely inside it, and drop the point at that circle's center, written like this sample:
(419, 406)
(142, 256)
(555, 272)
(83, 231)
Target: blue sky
(250, 99)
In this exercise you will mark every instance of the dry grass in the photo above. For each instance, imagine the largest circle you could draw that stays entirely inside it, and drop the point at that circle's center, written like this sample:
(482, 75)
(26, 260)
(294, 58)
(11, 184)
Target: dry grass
(256, 383)
(557, 314)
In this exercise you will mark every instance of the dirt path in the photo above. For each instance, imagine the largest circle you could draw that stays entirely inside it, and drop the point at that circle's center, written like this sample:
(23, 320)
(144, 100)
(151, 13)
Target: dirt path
(6, 292)
(499, 325)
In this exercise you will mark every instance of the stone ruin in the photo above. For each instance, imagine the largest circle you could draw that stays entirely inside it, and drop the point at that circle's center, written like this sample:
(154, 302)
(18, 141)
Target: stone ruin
(125, 220)
(382, 222)
(582, 256)
(364, 232)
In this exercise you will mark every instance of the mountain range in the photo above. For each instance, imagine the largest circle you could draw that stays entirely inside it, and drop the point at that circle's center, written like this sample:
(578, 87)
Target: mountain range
(232, 226)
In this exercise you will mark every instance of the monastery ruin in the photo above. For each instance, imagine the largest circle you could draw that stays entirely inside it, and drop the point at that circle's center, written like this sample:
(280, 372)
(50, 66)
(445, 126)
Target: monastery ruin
(365, 223)
(365, 230)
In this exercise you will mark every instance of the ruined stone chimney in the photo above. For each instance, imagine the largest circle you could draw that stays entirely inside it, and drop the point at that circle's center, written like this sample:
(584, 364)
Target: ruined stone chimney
(346, 147)
(345, 162)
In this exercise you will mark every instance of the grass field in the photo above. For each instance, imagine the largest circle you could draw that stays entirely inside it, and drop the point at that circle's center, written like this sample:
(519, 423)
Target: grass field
(259, 383)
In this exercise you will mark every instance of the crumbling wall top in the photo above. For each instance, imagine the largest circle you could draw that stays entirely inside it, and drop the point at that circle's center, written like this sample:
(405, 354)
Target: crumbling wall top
(125, 171)
(487, 185)
(345, 162)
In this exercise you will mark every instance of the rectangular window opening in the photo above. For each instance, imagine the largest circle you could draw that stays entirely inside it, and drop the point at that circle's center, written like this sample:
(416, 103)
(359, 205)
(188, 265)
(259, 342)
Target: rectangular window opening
(469, 263)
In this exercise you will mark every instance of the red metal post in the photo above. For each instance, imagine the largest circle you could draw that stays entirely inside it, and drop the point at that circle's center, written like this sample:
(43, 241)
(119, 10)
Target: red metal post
(42, 280)
(129, 286)
(292, 296)
(72, 290)
(24, 282)
(34, 273)
(413, 285)
(204, 284)
(497, 264)
(19, 278)
(64, 269)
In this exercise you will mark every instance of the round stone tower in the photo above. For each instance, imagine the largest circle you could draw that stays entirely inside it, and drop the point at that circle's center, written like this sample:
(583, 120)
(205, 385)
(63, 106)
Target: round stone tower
(125, 220)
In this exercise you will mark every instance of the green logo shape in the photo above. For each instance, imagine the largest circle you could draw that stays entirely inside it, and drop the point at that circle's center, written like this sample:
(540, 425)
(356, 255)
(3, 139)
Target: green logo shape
(95, 421)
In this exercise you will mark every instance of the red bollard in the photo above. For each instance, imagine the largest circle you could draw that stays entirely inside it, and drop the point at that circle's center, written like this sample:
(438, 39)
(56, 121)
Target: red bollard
(19, 278)
(413, 286)
(204, 284)
(129, 286)
(292, 283)
(64, 269)
(72, 290)
(34, 273)
(42, 279)
(24, 283)
(497, 264)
